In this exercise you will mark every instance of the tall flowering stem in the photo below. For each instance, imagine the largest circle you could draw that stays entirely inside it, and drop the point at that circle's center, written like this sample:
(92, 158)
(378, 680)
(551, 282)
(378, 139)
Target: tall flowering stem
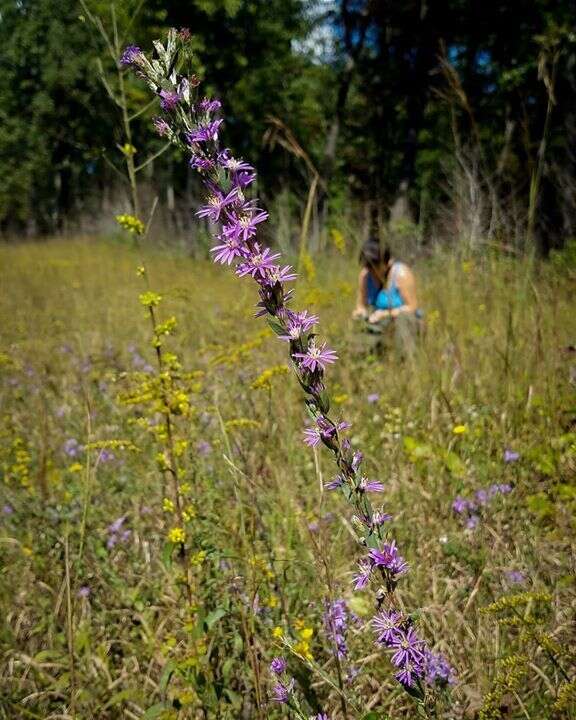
(192, 124)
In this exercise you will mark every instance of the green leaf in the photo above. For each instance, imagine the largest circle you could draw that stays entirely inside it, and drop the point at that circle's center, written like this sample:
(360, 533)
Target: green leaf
(213, 617)
(155, 711)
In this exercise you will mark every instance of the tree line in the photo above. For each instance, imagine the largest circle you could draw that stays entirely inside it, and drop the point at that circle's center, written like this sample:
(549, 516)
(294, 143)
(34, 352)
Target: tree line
(433, 113)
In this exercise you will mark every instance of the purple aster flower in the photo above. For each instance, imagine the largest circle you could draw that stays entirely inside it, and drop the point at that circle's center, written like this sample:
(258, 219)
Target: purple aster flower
(161, 126)
(203, 447)
(72, 448)
(7, 509)
(316, 357)
(389, 558)
(200, 163)
(356, 460)
(366, 485)
(379, 518)
(282, 692)
(280, 275)
(278, 665)
(515, 577)
(334, 484)
(258, 263)
(209, 105)
(131, 55)
(112, 540)
(373, 398)
(204, 133)
(236, 166)
(321, 716)
(106, 455)
(510, 456)
(409, 673)
(472, 522)
(408, 646)
(228, 250)
(387, 626)
(298, 323)
(481, 496)
(362, 578)
(504, 488)
(461, 505)
(116, 525)
(324, 430)
(244, 222)
(84, 592)
(169, 99)
(216, 203)
(437, 670)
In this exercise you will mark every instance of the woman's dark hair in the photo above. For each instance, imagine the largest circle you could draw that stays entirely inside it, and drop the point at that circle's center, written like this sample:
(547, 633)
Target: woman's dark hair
(371, 253)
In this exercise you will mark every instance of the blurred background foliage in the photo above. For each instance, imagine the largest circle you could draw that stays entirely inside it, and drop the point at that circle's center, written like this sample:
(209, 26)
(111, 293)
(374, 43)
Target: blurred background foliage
(441, 117)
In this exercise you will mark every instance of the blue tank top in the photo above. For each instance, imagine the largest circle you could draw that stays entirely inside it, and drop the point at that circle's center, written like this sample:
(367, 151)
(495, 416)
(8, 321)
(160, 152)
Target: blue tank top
(385, 298)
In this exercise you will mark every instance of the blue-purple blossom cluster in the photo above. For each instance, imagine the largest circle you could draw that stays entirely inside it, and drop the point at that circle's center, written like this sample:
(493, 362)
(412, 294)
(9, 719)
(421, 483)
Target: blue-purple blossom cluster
(193, 126)
(470, 510)
(415, 662)
(117, 533)
(336, 624)
(283, 687)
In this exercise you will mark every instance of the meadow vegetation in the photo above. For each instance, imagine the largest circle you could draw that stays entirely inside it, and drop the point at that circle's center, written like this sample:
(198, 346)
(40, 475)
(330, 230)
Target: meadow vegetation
(105, 615)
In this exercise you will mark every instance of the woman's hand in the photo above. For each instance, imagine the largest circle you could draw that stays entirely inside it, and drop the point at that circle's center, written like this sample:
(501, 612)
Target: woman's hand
(360, 313)
(378, 315)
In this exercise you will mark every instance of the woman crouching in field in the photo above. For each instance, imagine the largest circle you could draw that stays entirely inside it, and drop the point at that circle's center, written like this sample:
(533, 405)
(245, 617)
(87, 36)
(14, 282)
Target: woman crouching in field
(387, 295)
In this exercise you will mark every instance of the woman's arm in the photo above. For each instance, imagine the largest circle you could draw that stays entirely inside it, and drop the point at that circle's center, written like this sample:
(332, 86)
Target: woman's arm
(362, 310)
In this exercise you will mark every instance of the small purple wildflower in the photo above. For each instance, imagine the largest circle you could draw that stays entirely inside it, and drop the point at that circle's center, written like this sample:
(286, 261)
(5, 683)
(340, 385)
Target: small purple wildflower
(7, 509)
(324, 430)
(131, 55)
(161, 126)
(203, 447)
(72, 448)
(258, 263)
(209, 105)
(336, 624)
(387, 626)
(169, 100)
(278, 665)
(204, 133)
(116, 525)
(84, 592)
(472, 522)
(373, 398)
(515, 577)
(389, 558)
(461, 505)
(366, 485)
(230, 249)
(481, 496)
(408, 646)
(243, 222)
(298, 323)
(217, 201)
(511, 456)
(437, 670)
(200, 163)
(410, 672)
(335, 483)
(316, 357)
(362, 578)
(282, 692)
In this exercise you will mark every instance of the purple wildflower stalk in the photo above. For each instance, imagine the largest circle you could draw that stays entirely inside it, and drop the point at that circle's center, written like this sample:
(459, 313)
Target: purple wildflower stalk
(190, 124)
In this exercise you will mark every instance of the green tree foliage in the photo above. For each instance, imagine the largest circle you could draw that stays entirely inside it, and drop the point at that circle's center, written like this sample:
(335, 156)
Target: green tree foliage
(401, 93)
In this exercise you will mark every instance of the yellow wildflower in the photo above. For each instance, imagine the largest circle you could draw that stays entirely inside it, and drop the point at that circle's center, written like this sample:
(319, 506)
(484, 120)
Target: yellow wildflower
(278, 632)
(459, 429)
(75, 467)
(131, 224)
(167, 505)
(306, 633)
(303, 649)
(177, 535)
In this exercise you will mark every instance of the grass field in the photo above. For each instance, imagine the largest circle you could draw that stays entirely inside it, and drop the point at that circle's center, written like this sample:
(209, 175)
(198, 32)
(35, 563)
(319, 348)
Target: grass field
(101, 617)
